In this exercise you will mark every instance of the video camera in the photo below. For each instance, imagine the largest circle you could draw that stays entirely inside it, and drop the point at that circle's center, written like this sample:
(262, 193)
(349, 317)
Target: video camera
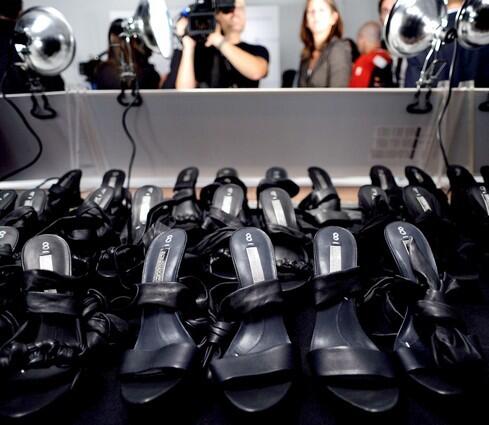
(202, 16)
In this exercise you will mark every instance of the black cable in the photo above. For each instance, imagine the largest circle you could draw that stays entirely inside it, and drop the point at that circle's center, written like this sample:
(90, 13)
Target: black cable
(445, 106)
(28, 126)
(129, 136)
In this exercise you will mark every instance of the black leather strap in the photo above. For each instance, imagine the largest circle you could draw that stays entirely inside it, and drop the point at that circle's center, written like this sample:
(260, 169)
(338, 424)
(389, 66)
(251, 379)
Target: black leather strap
(219, 218)
(42, 280)
(152, 362)
(318, 197)
(268, 364)
(254, 300)
(348, 361)
(287, 232)
(331, 288)
(171, 295)
(51, 303)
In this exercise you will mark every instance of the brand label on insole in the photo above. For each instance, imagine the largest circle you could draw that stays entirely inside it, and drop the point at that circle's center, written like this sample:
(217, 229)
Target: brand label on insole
(227, 201)
(334, 258)
(423, 202)
(145, 207)
(113, 180)
(278, 210)
(255, 264)
(160, 267)
(46, 262)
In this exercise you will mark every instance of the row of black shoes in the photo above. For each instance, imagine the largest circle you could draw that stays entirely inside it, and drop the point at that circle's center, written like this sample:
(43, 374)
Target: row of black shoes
(202, 287)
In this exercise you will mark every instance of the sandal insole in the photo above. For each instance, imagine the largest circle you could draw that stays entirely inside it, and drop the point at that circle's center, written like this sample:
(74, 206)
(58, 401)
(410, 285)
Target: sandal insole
(419, 201)
(417, 177)
(9, 236)
(36, 198)
(185, 187)
(102, 197)
(229, 199)
(145, 198)
(278, 210)
(320, 178)
(382, 176)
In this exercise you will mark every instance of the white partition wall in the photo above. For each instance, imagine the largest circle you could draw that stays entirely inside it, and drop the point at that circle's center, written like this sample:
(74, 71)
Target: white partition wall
(345, 131)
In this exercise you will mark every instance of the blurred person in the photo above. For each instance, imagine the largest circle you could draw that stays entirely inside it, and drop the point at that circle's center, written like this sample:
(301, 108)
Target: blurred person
(399, 65)
(108, 73)
(223, 61)
(373, 68)
(326, 59)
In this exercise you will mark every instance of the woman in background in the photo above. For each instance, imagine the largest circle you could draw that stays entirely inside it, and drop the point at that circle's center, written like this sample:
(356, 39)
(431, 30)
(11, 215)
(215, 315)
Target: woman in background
(326, 59)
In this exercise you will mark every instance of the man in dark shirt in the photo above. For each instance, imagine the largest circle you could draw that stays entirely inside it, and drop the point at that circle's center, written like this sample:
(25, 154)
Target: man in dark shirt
(471, 65)
(17, 80)
(224, 61)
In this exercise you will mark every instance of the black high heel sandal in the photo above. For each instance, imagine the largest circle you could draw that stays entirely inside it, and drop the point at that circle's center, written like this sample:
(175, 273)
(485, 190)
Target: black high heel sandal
(417, 177)
(291, 244)
(64, 195)
(38, 360)
(256, 370)
(342, 356)
(323, 203)
(382, 177)
(432, 344)
(226, 215)
(164, 352)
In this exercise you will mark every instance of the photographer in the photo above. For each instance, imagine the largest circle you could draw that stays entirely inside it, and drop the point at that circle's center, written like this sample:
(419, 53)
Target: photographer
(223, 60)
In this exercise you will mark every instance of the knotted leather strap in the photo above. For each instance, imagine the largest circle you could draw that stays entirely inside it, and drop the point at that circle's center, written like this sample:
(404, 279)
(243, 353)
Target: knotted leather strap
(146, 362)
(351, 361)
(331, 288)
(273, 363)
(171, 295)
(254, 300)
(437, 322)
